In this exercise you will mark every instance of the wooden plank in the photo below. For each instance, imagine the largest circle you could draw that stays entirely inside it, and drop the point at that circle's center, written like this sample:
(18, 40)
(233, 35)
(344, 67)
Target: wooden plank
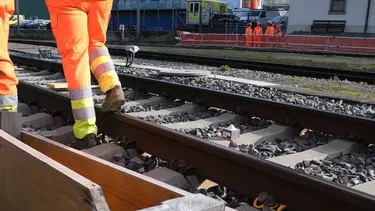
(122, 188)
(30, 180)
(11, 123)
(58, 85)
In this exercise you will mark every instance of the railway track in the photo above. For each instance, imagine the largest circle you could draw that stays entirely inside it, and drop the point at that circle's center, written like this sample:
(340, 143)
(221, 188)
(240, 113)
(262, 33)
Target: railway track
(246, 174)
(295, 70)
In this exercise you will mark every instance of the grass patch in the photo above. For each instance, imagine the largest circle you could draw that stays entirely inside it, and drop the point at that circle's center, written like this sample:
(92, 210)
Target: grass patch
(337, 89)
(224, 68)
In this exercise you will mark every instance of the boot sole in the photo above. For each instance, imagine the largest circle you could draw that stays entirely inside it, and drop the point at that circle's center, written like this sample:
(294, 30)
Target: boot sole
(113, 107)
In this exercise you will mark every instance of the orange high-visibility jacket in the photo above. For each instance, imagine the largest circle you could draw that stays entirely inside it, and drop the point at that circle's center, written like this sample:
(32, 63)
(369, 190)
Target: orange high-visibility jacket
(270, 31)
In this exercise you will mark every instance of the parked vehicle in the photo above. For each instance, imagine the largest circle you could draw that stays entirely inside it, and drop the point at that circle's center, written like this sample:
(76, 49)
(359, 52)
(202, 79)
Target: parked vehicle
(36, 24)
(209, 9)
(25, 23)
(13, 20)
(224, 18)
(261, 16)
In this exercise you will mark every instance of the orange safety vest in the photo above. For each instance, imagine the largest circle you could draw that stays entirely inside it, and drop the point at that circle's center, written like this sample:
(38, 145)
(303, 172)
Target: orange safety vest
(258, 30)
(249, 30)
(270, 31)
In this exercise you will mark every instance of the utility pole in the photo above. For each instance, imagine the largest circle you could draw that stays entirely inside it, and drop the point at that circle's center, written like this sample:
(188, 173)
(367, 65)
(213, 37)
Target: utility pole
(200, 18)
(18, 17)
(138, 18)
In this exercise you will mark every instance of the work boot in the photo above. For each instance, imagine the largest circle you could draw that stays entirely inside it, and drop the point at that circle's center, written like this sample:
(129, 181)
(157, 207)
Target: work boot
(85, 143)
(114, 100)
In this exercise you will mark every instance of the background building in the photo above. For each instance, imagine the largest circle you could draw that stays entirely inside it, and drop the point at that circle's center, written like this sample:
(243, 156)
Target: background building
(302, 13)
(160, 15)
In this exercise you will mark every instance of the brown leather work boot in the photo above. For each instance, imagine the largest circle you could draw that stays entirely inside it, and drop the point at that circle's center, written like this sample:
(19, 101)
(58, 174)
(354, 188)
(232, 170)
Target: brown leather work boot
(114, 100)
(85, 143)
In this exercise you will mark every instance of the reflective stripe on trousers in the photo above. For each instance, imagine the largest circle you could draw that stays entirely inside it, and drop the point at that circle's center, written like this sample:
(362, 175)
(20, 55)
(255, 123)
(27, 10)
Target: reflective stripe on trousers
(103, 68)
(83, 112)
(9, 103)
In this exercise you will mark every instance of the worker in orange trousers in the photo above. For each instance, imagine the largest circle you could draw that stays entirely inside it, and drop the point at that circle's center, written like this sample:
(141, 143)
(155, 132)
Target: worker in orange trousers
(257, 35)
(80, 27)
(249, 35)
(270, 34)
(278, 29)
(8, 79)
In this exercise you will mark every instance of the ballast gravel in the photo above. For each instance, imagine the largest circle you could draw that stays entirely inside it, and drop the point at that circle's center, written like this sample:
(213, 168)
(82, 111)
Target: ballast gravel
(325, 104)
(246, 124)
(348, 170)
(184, 117)
(281, 147)
(141, 108)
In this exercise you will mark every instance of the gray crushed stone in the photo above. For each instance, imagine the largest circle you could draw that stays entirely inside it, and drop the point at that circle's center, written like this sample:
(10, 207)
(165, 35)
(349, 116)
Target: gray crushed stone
(142, 108)
(246, 124)
(184, 117)
(348, 170)
(281, 147)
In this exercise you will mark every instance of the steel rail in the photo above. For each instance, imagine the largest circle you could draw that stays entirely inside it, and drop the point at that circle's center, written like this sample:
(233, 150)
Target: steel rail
(295, 70)
(246, 174)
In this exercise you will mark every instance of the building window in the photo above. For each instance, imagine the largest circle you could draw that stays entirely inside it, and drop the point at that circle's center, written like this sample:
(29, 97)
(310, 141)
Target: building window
(338, 6)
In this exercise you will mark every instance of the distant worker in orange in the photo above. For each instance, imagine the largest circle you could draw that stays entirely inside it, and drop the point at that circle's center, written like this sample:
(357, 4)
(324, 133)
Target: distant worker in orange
(8, 79)
(80, 27)
(257, 35)
(249, 34)
(278, 29)
(270, 32)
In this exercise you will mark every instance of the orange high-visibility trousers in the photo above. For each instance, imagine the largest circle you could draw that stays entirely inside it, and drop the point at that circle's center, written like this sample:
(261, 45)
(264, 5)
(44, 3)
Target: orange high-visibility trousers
(80, 27)
(257, 37)
(270, 32)
(8, 79)
(249, 36)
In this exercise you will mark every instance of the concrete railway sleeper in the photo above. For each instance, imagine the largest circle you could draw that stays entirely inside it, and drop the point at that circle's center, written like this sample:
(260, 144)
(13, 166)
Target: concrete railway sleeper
(231, 168)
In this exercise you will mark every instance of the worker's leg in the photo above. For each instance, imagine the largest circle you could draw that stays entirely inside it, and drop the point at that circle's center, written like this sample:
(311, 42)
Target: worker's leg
(69, 26)
(260, 39)
(100, 60)
(256, 41)
(269, 41)
(8, 79)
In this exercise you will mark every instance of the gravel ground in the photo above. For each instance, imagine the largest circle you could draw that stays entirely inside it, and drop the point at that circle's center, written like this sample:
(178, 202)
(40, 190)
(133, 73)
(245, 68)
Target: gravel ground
(343, 62)
(348, 170)
(185, 117)
(332, 86)
(325, 104)
(245, 125)
(281, 147)
(141, 108)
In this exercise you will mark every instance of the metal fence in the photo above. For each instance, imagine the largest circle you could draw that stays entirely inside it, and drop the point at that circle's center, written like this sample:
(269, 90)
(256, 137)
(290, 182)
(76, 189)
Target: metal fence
(357, 45)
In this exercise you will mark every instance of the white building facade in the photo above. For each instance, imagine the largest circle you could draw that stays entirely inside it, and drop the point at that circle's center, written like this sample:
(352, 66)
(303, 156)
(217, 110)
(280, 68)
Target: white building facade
(302, 13)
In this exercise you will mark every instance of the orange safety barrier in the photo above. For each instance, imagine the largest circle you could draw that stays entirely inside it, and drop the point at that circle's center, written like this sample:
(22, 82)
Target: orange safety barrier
(356, 45)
